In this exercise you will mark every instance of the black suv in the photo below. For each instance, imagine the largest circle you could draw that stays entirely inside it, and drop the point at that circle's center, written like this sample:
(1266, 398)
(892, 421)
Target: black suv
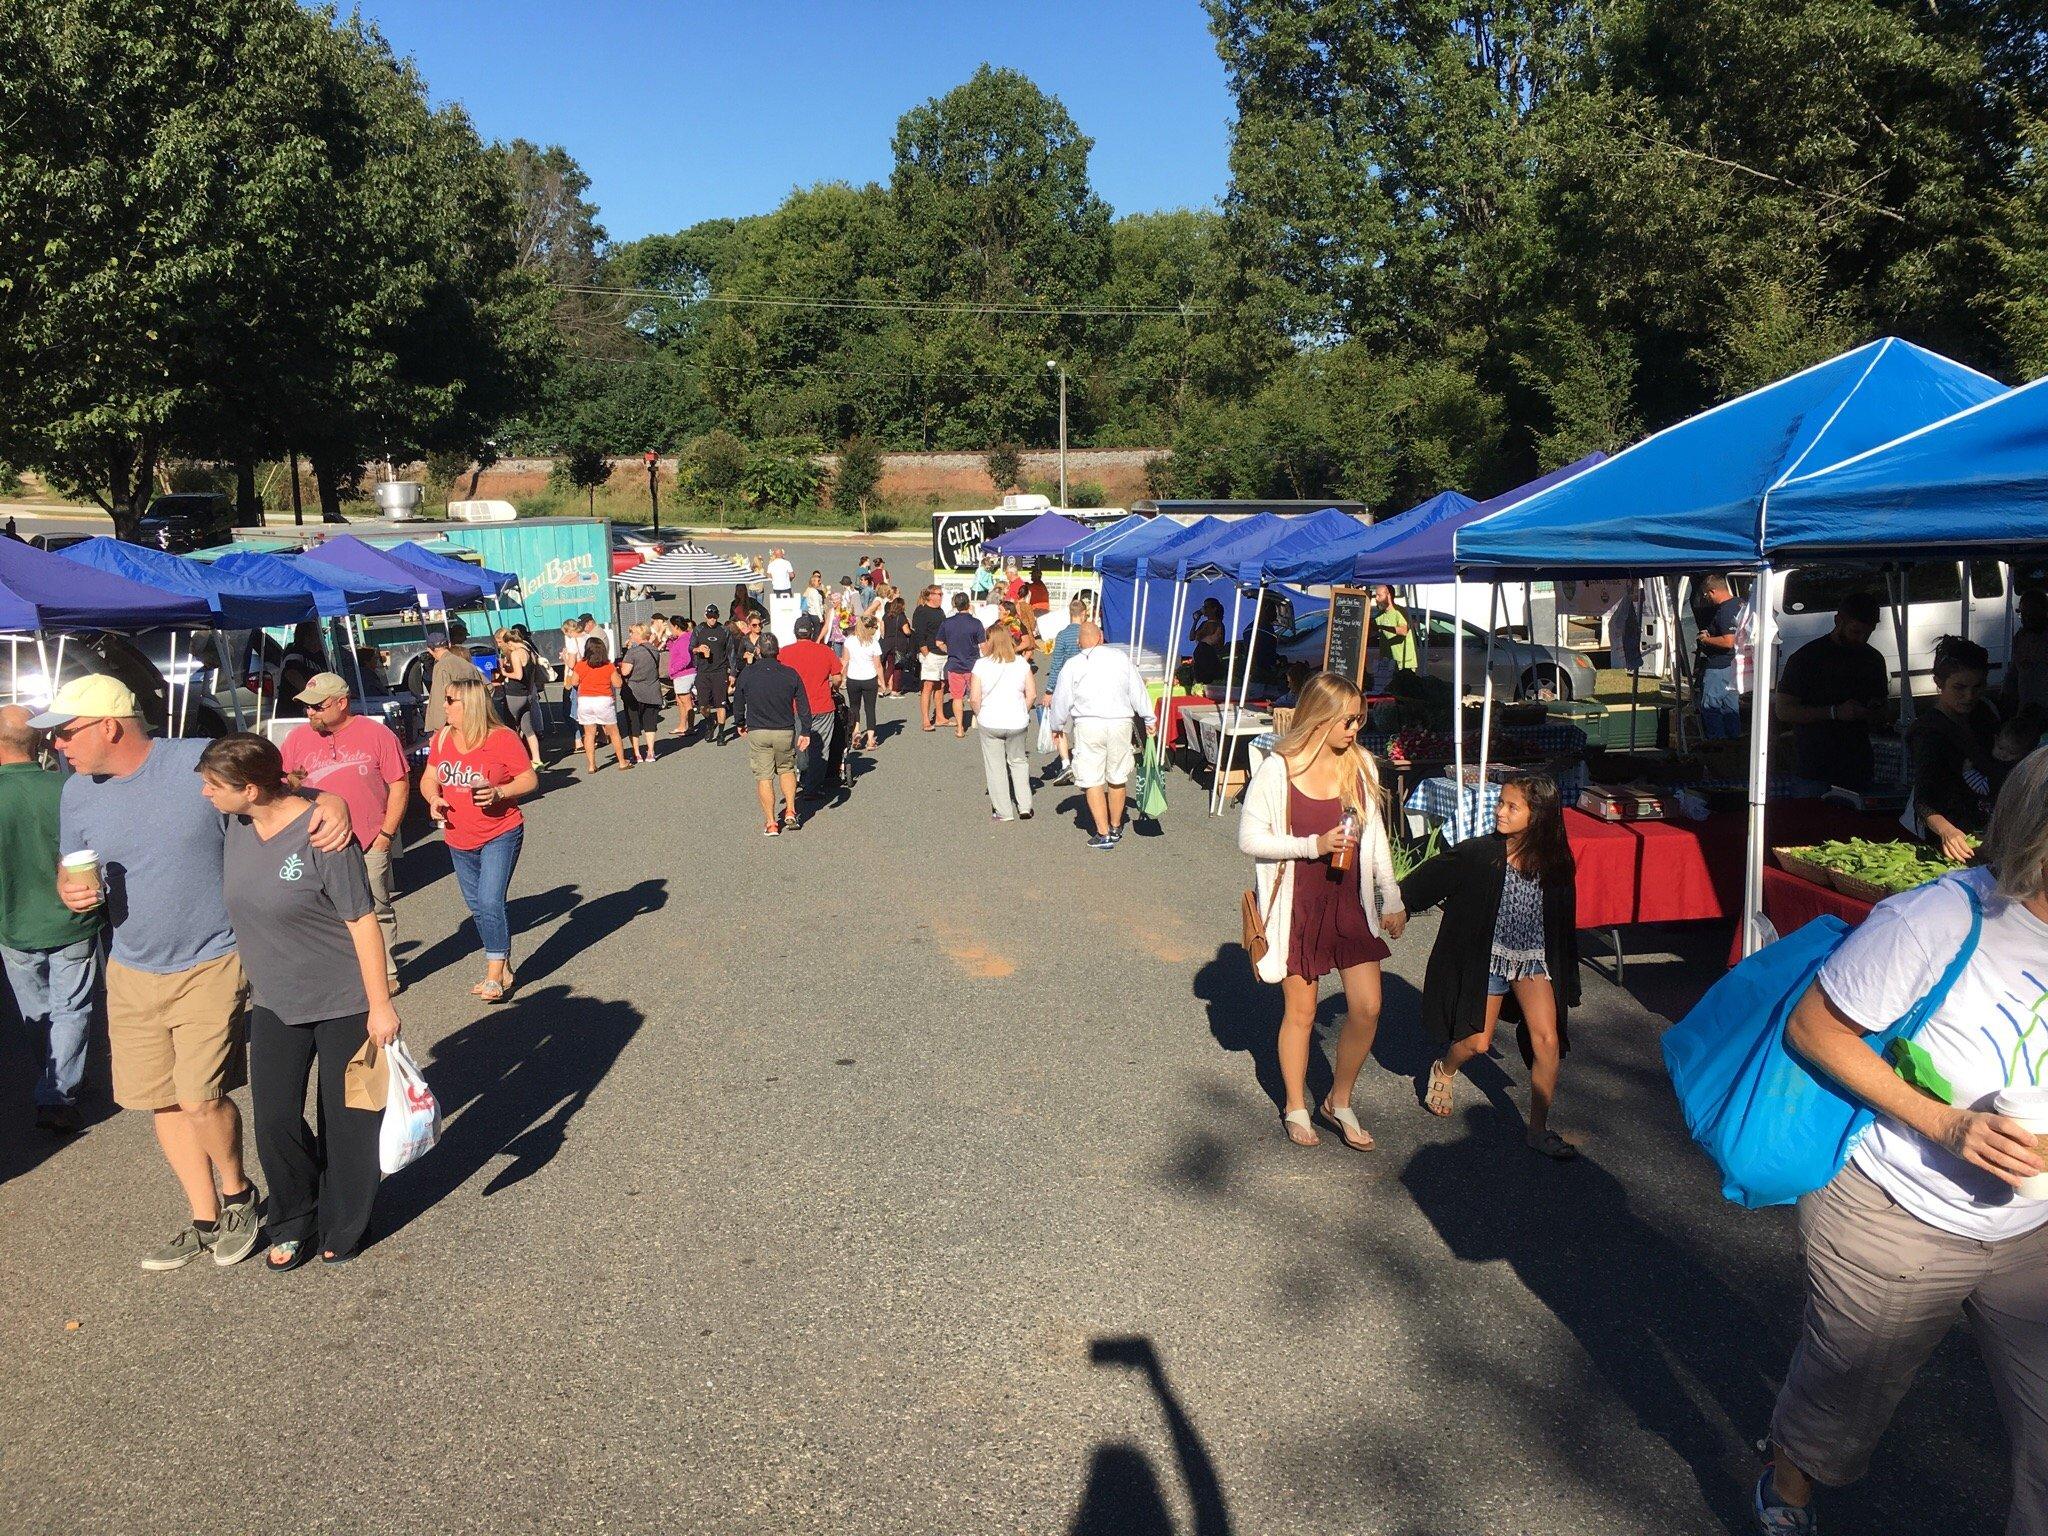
(187, 520)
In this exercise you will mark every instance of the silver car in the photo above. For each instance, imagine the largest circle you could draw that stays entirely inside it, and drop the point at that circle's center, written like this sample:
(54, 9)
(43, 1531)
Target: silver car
(1521, 668)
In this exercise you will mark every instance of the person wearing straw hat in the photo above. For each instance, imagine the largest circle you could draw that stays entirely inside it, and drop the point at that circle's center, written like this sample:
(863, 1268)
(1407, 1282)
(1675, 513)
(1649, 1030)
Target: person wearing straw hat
(359, 759)
(175, 985)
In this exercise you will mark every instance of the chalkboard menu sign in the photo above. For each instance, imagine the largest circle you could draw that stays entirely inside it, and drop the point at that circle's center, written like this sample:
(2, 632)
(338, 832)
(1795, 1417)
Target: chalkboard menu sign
(1344, 641)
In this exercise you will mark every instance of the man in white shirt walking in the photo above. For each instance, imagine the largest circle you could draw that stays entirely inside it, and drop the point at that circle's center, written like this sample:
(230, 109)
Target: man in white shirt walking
(1100, 693)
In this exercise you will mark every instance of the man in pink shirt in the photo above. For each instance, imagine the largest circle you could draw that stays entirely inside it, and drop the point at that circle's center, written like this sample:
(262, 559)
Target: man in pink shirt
(360, 760)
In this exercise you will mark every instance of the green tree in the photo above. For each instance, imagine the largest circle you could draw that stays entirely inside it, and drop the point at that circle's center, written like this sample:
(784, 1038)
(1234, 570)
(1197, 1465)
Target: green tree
(858, 477)
(1005, 462)
(715, 465)
(783, 473)
(585, 467)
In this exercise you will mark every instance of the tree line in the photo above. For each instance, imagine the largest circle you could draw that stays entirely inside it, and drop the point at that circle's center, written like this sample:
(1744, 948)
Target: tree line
(1461, 243)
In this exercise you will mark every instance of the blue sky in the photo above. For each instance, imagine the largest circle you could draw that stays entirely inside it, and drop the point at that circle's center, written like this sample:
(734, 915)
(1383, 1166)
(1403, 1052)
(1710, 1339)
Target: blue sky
(683, 111)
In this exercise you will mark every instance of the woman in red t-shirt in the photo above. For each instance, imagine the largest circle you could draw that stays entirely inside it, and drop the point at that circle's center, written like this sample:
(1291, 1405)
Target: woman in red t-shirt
(597, 702)
(477, 772)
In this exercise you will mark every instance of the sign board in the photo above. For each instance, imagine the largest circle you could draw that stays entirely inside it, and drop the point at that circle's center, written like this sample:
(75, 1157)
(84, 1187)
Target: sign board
(957, 537)
(564, 567)
(1344, 640)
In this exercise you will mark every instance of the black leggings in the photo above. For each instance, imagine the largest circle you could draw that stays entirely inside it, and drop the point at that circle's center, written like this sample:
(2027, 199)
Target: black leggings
(321, 1183)
(860, 698)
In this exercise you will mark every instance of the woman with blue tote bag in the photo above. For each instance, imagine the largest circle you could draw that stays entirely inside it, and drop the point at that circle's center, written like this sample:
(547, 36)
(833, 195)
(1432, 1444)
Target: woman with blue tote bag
(1938, 1205)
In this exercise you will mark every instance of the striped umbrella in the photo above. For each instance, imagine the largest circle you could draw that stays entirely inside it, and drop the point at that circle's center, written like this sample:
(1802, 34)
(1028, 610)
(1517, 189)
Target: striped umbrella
(687, 566)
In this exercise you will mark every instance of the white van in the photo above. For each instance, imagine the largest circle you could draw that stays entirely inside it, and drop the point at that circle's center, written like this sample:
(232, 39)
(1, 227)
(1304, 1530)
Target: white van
(1937, 603)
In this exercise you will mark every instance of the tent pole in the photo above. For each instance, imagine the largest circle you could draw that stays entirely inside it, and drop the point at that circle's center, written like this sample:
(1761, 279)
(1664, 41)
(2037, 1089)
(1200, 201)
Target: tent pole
(1172, 656)
(1895, 583)
(1225, 747)
(176, 723)
(1457, 694)
(1229, 671)
(1485, 721)
(1963, 598)
(1764, 638)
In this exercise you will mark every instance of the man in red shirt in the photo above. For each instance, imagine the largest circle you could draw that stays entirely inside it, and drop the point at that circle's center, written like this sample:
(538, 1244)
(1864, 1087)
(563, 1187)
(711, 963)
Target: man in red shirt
(360, 760)
(820, 668)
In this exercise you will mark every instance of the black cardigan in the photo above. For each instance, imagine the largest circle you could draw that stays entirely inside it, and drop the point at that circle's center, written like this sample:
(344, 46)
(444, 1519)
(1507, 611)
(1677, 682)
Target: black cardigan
(1466, 881)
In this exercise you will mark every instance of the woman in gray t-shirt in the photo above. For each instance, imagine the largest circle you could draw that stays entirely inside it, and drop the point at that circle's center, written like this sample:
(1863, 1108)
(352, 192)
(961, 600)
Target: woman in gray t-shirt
(307, 931)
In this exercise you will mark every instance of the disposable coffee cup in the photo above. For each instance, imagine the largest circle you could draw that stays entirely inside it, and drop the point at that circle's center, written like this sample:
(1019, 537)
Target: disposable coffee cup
(84, 865)
(2028, 1106)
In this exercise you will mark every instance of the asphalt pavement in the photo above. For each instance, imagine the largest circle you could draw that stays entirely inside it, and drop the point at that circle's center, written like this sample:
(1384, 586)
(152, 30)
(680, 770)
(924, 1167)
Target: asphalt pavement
(915, 1173)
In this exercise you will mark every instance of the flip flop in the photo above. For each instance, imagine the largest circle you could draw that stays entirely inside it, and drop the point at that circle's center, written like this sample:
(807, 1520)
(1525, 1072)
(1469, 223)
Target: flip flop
(296, 1250)
(1296, 1123)
(1346, 1125)
(1553, 1146)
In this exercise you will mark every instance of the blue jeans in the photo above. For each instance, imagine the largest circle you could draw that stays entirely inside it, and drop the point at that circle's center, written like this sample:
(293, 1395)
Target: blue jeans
(485, 874)
(1720, 704)
(53, 988)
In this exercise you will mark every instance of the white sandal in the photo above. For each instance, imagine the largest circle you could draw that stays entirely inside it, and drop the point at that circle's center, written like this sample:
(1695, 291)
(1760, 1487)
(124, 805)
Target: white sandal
(1299, 1130)
(1345, 1123)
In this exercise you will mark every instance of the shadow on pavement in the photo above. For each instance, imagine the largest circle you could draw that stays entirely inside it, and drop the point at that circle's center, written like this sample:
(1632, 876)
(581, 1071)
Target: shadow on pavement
(1123, 1496)
(1244, 1015)
(588, 922)
(526, 914)
(508, 1085)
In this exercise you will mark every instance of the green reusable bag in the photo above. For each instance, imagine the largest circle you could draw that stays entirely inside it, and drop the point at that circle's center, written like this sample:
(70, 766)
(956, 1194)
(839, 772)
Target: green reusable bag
(1152, 781)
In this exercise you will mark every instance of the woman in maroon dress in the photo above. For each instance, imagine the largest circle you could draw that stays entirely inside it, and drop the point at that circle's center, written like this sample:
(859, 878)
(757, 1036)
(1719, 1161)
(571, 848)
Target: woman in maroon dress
(1327, 894)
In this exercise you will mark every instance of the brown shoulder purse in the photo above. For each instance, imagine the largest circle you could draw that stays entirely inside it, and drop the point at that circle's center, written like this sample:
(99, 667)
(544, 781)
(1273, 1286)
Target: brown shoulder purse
(1255, 942)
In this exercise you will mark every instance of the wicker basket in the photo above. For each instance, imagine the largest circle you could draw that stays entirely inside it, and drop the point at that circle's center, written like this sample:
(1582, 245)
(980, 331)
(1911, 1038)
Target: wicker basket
(1862, 890)
(1791, 860)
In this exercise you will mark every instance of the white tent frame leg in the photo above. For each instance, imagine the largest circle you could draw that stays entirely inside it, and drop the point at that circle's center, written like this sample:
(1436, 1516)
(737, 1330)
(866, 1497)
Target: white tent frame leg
(1457, 693)
(1469, 821)
(1763, 640)
(1227, 745)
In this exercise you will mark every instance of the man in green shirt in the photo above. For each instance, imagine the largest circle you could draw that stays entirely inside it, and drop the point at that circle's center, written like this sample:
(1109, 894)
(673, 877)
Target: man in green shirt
(1390, 624)
(52, 954)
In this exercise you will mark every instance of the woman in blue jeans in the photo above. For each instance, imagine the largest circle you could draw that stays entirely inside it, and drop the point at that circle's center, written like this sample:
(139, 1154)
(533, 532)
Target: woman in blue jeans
(477, 772)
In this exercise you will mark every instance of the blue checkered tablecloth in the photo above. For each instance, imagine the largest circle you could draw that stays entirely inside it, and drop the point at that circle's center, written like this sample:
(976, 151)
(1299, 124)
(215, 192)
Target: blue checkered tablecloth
(1439, 800)
(1551, 736)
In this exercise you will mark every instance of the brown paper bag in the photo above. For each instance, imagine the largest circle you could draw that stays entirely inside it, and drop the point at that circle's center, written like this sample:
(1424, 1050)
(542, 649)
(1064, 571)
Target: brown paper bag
(367, 1078)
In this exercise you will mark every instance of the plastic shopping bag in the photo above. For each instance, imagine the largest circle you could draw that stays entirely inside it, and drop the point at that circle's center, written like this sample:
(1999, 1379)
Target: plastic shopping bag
(1152, 782)
(1045, 733)
(412, 1117)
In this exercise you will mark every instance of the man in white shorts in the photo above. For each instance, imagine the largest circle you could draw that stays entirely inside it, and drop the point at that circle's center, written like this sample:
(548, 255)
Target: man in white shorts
(1100, 693)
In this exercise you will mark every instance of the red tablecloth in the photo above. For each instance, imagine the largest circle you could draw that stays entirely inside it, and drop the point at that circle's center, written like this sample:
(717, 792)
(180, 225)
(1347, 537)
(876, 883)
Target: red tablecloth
(1681, 871)
(1791, 902)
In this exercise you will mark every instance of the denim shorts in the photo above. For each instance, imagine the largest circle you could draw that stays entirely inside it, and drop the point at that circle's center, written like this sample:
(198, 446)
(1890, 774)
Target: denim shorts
(1498, 985)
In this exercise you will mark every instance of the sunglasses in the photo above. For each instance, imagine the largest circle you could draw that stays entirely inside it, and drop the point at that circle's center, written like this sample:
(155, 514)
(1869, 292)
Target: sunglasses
(451, 698)
(1350, 722)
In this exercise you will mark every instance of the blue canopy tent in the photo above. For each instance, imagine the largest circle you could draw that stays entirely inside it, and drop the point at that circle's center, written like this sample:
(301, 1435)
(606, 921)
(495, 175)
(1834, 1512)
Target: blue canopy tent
(1695, 496)
(1974, 481)
(1121, 593)
(1422, 553)
(1082, 556)
(237, 600)
(39, 590)
(492, 582)
(1156, 574)
(1046, 535)
(1691, 497)
(334, 593)
(1329, 561)
(436, 589)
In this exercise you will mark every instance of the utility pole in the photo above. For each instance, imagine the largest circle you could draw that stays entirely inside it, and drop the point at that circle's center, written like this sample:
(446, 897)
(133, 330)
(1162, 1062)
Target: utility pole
(1051, 363)
(653, 487)
(298, 512)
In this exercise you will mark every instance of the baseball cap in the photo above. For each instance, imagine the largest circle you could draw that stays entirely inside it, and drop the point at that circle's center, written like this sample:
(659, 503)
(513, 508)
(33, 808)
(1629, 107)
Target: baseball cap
(97, 697)
(321, 687)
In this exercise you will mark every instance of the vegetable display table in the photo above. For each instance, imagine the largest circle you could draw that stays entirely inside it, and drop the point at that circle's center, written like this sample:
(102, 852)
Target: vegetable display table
(1792, 901)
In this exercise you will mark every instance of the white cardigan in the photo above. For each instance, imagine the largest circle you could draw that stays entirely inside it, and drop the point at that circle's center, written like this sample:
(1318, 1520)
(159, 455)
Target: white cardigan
(1261, 832)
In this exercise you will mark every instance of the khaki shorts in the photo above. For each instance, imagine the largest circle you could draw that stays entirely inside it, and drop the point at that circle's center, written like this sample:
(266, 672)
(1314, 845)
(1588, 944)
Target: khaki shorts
(1102, 752)
(771, 752)
(179, 1038)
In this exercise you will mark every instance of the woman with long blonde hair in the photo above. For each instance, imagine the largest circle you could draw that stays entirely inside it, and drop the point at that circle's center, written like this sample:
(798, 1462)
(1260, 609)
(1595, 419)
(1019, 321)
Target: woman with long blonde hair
(1313, 806)
(477, 772)
(999, 693)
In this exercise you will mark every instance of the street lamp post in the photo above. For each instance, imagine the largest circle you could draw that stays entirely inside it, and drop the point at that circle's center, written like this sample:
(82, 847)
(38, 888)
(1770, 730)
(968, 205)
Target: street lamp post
(653, 488)
(1061, 370)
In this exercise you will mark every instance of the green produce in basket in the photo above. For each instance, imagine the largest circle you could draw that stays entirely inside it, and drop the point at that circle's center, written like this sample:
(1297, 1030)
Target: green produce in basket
(1891, 867)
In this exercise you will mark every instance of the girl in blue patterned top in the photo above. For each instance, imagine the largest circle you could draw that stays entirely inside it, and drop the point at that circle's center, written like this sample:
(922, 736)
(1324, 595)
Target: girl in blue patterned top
(1508, 931)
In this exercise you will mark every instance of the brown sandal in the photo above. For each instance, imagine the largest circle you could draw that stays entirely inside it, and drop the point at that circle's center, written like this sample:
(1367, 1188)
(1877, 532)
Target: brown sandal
(1437, 1099)
(1299, 1131)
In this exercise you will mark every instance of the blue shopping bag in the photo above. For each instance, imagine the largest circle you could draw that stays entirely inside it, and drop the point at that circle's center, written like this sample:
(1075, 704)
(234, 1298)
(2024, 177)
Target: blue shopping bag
(1777, 1127)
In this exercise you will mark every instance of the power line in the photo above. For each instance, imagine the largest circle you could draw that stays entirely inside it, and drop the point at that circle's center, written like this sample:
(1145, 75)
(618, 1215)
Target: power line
(903, 306)
(808, 370)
